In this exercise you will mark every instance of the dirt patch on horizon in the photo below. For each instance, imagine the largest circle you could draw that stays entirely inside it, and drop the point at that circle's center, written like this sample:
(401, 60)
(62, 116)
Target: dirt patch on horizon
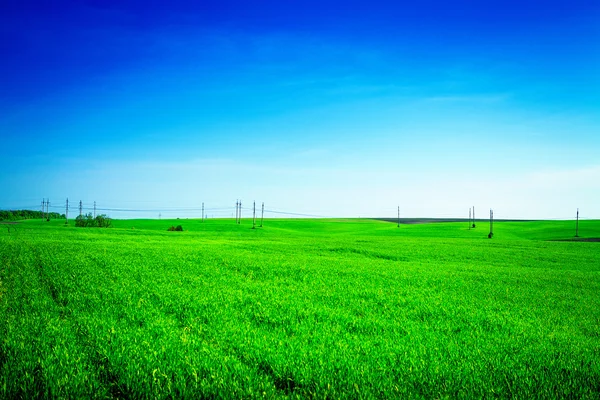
(577, 240)
(416, 221)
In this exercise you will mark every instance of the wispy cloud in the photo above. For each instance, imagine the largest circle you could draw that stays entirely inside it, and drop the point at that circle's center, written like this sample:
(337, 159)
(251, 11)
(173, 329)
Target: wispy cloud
(588, 176)
(312, 153)
(476, 98)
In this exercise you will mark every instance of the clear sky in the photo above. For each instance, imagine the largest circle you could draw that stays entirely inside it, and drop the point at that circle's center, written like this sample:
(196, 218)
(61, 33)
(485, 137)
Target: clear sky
(332, 108)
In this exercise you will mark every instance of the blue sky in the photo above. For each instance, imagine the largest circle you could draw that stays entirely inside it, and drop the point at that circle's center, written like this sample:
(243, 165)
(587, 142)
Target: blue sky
(327, 108)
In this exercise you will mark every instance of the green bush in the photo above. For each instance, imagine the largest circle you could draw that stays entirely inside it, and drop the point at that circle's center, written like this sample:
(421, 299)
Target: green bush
(177, 228)
(88, 221)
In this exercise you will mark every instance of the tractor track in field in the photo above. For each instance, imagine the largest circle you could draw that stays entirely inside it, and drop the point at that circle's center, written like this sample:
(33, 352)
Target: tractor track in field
(105, 371)
(586, 240)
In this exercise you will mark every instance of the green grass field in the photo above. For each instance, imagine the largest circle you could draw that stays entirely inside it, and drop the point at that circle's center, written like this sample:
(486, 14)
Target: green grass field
(299, 308)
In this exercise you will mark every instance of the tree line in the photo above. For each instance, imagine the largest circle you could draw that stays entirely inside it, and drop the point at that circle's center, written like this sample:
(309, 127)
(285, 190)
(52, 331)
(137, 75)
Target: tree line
(14, 215)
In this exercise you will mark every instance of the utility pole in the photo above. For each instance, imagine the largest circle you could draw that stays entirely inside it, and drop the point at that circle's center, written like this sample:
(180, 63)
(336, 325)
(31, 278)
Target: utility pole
(491, 224)
(236, 210)
(469, 218)
(262, 214)
(43, 203)
(398, 216)
(47, 210)
(577, 224)
(202, 211)
(254, 215)
(240, 218)
(94, 209)
(67, 212)
(473, 216)
(80, 208)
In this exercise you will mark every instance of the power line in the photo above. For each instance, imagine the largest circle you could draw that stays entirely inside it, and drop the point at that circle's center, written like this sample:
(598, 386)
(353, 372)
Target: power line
(297, 214)
(148, 209)
(46, 205)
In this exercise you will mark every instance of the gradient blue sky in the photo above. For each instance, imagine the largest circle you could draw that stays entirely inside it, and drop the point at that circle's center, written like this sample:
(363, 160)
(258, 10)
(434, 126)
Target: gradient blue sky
(320, 107)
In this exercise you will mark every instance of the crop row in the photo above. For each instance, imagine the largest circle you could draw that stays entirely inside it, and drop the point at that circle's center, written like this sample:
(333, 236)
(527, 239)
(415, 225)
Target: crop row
(156, 316)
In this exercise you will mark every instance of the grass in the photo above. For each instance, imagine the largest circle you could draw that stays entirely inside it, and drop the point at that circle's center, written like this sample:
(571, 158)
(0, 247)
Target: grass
(299, 308)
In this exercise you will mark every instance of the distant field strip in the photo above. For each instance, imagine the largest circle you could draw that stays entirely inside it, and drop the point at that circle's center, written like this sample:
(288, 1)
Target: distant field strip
(299, 308)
